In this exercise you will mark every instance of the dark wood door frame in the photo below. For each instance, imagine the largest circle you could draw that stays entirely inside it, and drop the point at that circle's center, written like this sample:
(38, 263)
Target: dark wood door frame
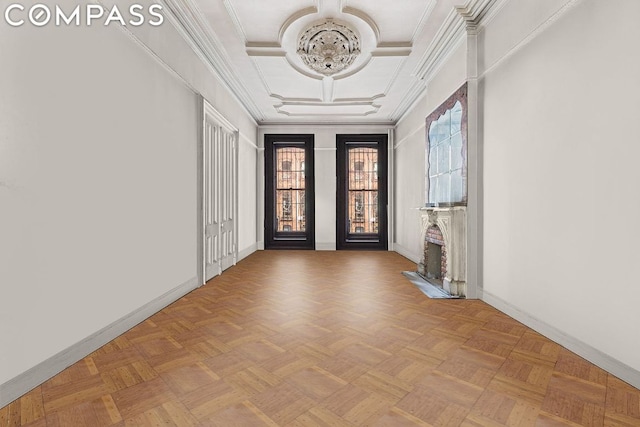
(275, 239)
(345, 239)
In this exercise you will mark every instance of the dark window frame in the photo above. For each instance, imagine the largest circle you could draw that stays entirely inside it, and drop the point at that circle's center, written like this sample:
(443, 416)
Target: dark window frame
(366, 241)
(275, 239)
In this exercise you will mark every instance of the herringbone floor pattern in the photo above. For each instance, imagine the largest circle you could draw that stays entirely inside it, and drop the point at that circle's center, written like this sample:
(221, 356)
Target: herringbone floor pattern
(327, 339)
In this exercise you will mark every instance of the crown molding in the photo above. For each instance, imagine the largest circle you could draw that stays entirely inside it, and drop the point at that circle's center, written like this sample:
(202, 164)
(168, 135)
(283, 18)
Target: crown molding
(423, 19)
(459, 20)
(476, 10)
(235, 19)
(447, 37)
(192, 25)
(411, 96)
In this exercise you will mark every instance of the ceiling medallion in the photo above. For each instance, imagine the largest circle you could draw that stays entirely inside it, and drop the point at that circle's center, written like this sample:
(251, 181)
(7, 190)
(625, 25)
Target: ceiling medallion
(328, 47)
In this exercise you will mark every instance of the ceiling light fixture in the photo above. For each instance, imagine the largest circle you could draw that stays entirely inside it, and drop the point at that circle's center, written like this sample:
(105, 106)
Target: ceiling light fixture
(328, 47)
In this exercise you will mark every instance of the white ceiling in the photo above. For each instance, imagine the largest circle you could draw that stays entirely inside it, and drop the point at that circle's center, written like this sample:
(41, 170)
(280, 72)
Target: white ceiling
(252, 45)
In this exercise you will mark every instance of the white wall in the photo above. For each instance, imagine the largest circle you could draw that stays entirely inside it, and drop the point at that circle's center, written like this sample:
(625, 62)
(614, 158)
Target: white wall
(410, 152)
(98, 183)
(325, 174)
(247, 195)
(561, 204)
(171, 49)
(560, 86)
(410, 160)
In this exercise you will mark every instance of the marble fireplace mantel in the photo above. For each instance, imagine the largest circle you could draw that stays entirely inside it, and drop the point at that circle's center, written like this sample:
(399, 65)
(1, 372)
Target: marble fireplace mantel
(452, 222)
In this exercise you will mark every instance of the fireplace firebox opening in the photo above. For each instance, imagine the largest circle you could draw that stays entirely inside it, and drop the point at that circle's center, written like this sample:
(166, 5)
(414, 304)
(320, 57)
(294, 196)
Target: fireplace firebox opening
(434, 263)
(435, 255)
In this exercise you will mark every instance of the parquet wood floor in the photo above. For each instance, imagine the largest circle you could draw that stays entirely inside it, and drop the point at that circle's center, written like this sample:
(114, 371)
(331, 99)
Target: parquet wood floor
(304, 338)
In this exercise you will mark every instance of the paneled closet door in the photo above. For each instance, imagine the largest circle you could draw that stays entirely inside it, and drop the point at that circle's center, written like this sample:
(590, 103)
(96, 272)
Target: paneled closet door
(229, 199)
(220, 198)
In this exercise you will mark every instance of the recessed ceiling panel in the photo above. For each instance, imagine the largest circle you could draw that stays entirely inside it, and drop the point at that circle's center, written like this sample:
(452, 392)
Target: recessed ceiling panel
(260, 20)
(371, 82)
(284, 81)
(397, 21)
(327, 110)
(252, 45)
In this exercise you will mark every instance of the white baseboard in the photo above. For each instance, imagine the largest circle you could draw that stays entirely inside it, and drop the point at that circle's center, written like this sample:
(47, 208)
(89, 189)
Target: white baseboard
(247, 251)
(410, 255)
(325, 246)
(23, 383)
(593, 355)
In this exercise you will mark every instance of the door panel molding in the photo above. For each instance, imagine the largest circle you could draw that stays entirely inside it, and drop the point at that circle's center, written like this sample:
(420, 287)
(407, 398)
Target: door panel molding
(219, 192)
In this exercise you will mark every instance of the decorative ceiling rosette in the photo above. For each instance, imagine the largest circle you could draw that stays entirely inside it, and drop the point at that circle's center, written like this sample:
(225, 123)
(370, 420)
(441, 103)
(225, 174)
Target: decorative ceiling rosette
(328, 47)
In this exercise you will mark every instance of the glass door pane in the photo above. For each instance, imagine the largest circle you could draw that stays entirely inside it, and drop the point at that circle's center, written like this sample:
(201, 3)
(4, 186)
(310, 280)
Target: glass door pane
(363, 190)
(290, 190)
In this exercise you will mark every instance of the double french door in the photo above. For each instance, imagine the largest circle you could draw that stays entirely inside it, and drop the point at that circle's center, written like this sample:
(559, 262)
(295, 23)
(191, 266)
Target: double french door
(220, 193)
(362, 192)
(289, 191)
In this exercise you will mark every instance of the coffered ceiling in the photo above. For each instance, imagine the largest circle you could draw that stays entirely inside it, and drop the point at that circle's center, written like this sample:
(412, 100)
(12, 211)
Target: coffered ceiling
(252, 45)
